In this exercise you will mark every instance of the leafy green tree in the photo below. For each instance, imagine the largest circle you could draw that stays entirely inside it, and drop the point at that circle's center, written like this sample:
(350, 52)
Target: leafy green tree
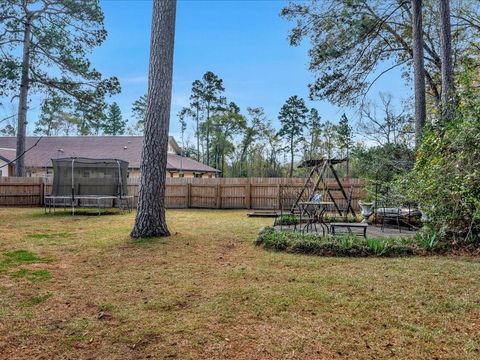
(381, 163)
(9, 123)
(90, 120)
(114, 123)
(250, 134)
(53, 116)
(196, 110)
(356, 42)
(43, 47)
(206, 100)
(345, 138)
(314, 126)
(209, 93)
(292, 117)
(8, 130)
(329, 139)
(273, 150)
(139, 107)
(225, 125)
(446, 178)
(182, 119)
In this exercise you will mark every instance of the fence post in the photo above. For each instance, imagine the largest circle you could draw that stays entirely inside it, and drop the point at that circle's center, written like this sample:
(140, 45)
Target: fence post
(189, 195)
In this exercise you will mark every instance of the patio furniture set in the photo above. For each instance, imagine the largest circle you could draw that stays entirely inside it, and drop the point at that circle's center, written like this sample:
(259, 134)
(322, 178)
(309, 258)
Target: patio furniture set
(311, 209)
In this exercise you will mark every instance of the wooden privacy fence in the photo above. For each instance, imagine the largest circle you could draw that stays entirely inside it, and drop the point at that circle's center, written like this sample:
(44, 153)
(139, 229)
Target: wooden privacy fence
(219, 193)
(23, 191)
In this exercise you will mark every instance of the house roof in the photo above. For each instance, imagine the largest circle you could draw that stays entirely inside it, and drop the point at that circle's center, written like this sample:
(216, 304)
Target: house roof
(128, 148)
(173, 143)
(7, 154)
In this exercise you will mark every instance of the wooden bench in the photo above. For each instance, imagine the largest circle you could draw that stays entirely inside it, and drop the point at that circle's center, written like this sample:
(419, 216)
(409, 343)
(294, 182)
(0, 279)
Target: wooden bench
(349, 226)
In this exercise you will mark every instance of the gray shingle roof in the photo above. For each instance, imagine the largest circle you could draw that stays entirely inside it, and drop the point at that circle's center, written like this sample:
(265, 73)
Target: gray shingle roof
(128, 148)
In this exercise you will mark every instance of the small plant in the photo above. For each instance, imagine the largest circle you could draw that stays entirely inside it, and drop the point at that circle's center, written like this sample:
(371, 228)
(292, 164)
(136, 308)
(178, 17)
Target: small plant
(337, 218)
(287, 220)
(377, 246)
(367, 198)
(271, 239)
(346, 241)
(427, 238)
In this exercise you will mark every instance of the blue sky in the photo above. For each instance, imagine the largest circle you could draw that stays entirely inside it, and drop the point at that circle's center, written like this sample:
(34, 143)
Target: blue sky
(244, 42)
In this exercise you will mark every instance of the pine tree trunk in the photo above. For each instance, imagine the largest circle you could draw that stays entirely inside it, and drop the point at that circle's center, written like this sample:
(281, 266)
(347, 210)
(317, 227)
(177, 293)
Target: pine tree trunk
(418, 69)
(446, 57)
(208, 134)
(198, 137)
(23, 100)
(291, 158)
(150, 220)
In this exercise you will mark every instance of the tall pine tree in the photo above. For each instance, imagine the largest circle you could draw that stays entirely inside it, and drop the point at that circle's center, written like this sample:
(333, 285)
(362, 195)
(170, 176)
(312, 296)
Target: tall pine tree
(44, 45)
(344, 138)
(114, 123)
(292, 117)
(150, 219)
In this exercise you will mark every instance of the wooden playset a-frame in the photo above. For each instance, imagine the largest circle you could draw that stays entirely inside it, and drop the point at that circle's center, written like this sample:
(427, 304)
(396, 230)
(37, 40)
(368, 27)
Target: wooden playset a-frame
(316, 181)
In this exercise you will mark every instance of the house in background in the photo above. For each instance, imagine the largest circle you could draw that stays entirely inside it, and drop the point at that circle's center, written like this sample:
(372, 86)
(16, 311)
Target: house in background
(6, 155)
(129, 148)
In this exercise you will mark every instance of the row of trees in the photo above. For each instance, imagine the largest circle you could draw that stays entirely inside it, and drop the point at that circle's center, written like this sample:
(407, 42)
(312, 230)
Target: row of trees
(55, 119)
(248, 144)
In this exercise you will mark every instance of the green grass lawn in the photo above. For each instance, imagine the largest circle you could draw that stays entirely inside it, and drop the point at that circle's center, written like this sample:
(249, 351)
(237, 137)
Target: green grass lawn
(77, 287)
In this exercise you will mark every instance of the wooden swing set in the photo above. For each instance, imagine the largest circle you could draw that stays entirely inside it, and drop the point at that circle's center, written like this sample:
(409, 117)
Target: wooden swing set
(316, 180)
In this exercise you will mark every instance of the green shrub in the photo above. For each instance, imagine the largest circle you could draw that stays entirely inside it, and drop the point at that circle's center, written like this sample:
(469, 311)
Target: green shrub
(377, 246)
(308, 245)
(337, 218)
(271, 239)
(346, 240)
(427, 238)
(343, 245)
(446, 178)
(287, 220)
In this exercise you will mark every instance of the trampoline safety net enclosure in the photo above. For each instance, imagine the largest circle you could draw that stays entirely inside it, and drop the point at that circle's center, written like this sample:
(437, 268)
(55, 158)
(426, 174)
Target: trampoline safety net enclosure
(82, 176)
(88, 182)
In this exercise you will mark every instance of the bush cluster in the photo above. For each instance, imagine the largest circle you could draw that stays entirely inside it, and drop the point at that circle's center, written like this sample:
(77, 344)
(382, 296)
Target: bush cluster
(446, 178)
(446, 181)
(288, 219)
(342, 245)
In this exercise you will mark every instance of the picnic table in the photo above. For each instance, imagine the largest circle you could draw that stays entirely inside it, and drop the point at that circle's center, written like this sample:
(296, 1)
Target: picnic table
(314, 211)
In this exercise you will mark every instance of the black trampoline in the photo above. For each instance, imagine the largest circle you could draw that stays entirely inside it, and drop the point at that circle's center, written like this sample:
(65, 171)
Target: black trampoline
(83, 182)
